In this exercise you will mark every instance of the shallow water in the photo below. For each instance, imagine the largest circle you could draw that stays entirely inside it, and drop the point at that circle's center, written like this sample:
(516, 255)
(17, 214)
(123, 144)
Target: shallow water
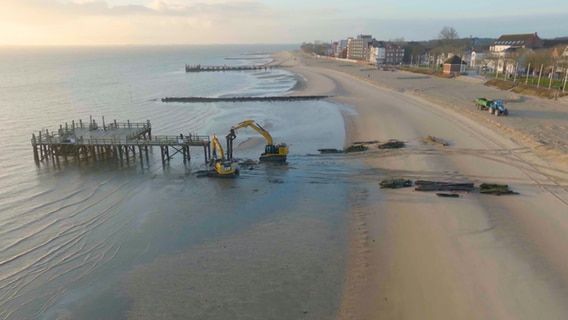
(131, 240)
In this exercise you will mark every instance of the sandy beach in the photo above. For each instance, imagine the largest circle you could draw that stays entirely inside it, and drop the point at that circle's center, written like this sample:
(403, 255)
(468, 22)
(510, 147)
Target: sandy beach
(417, 256)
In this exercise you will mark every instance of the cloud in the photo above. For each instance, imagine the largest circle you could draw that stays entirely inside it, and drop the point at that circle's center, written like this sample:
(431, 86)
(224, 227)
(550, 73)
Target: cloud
(80, 8)
(231, 21)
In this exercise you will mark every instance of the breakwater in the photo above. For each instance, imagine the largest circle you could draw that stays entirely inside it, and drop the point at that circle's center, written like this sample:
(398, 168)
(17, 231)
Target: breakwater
(242, 99)
(202, 68)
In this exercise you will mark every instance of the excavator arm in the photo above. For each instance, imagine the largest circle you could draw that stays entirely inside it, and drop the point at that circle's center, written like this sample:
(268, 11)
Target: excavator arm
(275, 153)
(220, 166)
(218, 153)
(256, 127)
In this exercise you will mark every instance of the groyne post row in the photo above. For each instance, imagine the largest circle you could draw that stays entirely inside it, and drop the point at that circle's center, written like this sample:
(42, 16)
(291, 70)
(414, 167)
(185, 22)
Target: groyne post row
(242, 99)
(81, 141)
(203, 68)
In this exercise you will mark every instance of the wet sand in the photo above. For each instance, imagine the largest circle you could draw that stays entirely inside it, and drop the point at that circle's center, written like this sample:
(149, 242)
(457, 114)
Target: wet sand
(416, 256)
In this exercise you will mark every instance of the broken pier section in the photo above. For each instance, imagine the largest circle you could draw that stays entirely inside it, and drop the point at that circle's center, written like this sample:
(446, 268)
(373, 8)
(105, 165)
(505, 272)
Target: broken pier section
(83, 140)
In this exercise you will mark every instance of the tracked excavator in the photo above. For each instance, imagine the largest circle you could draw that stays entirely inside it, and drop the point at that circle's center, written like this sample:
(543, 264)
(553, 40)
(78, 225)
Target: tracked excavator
(272, 153)
(220, 166)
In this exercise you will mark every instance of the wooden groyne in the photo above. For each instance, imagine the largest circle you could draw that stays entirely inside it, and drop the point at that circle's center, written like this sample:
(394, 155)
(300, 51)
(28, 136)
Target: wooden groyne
(83, 141)
(203, 68)
(242, 99)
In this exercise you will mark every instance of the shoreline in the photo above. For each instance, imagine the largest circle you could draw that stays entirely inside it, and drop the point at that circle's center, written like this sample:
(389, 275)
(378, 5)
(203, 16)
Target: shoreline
(383, 263)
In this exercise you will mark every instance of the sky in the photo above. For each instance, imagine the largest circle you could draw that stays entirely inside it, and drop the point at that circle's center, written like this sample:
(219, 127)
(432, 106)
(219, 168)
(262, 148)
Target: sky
(165, 22)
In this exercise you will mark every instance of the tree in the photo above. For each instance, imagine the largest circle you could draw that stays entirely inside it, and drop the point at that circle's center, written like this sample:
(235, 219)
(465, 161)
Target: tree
(541, 57)
(400, 41)
(448, 33)
(319, 47)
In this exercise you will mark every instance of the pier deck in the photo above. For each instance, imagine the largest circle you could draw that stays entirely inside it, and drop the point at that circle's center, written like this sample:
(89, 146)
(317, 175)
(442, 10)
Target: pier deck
(115, 140)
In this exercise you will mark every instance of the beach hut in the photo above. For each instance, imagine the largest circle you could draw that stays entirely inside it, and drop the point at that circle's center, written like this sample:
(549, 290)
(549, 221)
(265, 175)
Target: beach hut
(454, 65)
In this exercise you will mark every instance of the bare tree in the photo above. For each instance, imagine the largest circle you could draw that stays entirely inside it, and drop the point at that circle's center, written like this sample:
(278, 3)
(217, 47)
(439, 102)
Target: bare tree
(448, 33)
(400, 41)
(541, 57)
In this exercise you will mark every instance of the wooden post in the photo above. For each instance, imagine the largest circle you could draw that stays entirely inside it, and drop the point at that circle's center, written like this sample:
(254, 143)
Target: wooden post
(140, 153)
(76, 153)
(34, 144)
(550, 81)
(205, 153)
(40, 146)
(565, 78)
(528, 69)
(539, 76)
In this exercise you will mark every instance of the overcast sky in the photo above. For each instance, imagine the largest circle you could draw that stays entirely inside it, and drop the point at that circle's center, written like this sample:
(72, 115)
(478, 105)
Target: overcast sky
(127, 22)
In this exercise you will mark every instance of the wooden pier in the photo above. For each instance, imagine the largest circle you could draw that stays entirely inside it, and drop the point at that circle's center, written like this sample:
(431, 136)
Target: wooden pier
(203, 68)
(89, 140)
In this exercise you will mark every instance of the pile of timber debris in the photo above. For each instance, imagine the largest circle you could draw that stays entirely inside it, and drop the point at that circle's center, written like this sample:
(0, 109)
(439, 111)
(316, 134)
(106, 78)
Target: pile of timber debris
(391, 144)
(425, 185)
(330, 150)
(496, 189)
(434, 141)
(356, 148)
(360, 146)
(395, 183)
(451, 187)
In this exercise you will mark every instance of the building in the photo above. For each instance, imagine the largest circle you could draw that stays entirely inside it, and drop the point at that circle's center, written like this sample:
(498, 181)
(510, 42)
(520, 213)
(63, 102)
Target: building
(394, 53)
(341, 49)
(508, 41)
(357, 48)
(377, 53)
(332, 49)
(507, 54)
(454, 65)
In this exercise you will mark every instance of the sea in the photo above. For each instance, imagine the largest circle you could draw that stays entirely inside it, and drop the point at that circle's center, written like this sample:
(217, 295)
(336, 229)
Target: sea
(108, 239)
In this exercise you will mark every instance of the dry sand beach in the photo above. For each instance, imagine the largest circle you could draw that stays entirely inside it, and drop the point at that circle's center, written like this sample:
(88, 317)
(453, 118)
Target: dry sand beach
(416, 256)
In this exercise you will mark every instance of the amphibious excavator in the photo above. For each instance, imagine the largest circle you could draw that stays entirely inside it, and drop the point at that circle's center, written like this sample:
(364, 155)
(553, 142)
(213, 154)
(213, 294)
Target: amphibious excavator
(272, 153)
(220, 166)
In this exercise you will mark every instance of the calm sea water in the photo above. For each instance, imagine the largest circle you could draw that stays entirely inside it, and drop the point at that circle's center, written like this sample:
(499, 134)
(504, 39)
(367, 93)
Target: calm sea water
(108, 241)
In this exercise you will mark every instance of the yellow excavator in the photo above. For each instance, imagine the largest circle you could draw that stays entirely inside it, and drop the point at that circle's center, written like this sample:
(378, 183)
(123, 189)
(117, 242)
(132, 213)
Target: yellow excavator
(272, 153)
(221, 167)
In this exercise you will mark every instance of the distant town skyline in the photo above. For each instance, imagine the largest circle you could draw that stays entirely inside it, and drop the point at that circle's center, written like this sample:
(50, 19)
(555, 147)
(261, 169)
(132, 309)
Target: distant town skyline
(148, 22)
